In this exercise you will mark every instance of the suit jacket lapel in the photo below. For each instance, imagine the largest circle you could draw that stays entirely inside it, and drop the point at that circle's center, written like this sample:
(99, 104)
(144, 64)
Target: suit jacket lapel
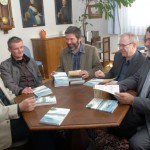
(69, 60)
(144, 73)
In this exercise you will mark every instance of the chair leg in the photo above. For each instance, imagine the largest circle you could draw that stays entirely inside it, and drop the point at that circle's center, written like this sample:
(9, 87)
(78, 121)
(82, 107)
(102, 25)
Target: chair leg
(42, 71)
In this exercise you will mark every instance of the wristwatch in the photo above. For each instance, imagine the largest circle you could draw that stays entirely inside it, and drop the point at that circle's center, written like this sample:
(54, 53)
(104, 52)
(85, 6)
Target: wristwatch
(4, 2)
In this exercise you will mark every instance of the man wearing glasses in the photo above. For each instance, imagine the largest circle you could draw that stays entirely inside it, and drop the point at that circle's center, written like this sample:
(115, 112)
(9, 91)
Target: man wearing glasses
(126, 61)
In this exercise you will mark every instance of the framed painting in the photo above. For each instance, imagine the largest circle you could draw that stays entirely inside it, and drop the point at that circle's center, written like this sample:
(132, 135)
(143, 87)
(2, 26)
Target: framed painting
(32, 13)
(94, 12)
(63, 11)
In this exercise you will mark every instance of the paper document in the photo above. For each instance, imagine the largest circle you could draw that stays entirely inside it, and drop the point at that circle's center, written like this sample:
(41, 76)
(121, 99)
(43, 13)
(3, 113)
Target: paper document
(108, 88)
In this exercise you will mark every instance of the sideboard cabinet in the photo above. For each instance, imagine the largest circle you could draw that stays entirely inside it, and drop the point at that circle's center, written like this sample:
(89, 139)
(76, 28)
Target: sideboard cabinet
(48, 51)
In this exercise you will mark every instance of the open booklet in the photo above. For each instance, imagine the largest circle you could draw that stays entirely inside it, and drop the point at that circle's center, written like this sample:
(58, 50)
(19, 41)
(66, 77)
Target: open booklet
(112, 89)
(102, 105)
(47, 100)
(42, 91)
(55, 116)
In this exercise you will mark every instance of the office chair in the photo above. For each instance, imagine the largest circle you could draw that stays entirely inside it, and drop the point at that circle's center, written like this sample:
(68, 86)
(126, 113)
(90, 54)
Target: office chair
(39, 63)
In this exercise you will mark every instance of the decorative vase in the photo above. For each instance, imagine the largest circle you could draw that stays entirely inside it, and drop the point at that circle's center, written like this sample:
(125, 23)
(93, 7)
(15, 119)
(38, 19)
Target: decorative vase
(43, 34)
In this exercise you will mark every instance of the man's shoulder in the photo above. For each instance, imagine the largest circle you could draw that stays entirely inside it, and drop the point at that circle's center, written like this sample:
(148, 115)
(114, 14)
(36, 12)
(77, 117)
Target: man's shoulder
(7, 61)
(139, 55)
(89, 48)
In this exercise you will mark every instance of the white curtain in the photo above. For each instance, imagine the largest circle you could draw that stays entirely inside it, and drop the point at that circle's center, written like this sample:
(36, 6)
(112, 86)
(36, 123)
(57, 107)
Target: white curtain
(114, 26)
(133, 19)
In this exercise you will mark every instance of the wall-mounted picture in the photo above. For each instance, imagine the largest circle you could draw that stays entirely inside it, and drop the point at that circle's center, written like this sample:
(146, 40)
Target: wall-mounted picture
(63, 11)
(93, 12)
(32, 13)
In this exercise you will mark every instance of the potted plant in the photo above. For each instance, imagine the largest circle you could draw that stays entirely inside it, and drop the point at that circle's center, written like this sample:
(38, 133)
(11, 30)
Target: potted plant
(105, 7)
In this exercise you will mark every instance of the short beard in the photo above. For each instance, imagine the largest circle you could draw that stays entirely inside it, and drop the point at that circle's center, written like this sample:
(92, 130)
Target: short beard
(74, 46)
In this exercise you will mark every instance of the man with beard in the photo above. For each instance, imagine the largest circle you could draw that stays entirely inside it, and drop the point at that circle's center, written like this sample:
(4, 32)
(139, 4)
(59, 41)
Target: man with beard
(78, 56)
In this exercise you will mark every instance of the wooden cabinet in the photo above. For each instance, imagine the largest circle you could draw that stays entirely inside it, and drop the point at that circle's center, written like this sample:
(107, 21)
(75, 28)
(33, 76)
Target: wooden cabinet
(48, 51)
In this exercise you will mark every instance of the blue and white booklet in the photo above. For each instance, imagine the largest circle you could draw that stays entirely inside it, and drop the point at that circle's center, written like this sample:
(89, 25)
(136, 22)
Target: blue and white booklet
(55, 116)
(61, 79)
(102, 105)
(42, 91)
(46, 100)
(95, 81)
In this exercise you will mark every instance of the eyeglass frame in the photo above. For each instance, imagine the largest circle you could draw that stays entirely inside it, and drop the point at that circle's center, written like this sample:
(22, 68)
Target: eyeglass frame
(124, 45)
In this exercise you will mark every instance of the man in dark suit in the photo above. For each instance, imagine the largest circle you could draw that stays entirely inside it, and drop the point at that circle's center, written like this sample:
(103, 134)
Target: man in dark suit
(126, 61)
(140, 103)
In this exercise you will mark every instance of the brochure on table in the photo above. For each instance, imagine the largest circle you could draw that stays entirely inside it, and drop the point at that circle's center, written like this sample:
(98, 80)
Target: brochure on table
(102, 105)
(42, 91)
(47, 100)
(55, 116)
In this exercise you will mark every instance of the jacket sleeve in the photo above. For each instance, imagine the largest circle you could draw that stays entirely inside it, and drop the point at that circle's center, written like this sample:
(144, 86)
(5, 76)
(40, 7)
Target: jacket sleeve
(7, 76)
(8, 112)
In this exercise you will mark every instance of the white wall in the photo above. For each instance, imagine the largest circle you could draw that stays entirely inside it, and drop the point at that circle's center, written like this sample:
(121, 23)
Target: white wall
(50, 25)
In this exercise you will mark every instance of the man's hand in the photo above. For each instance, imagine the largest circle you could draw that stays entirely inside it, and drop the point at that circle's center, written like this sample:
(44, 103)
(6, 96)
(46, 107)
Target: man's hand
(27, 90)
(84, 74)
(52, 74)
(27, 104)
(99, 74)
(124, 98)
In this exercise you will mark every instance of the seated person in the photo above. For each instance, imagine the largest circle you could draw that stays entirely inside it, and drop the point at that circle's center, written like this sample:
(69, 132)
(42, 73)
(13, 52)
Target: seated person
(19, 72)
(13, 128)
(78, 56)
(126, 61)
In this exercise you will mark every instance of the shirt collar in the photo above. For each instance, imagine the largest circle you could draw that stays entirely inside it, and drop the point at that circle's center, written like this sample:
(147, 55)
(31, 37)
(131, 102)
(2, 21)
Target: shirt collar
(25, 59)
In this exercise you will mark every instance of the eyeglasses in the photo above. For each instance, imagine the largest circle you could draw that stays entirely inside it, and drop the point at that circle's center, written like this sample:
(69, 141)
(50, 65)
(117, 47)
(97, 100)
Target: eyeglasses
(124, 45)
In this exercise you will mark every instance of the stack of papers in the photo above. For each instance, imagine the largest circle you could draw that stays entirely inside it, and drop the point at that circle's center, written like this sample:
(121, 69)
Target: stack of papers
(76, 80)
(75, 77)
(42, 91)
(102, 105)
(61, 79)
(40, 101)
(55, 116)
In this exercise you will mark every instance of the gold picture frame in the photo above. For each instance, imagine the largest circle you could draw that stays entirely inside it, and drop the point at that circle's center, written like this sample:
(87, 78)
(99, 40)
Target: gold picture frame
(93, 12)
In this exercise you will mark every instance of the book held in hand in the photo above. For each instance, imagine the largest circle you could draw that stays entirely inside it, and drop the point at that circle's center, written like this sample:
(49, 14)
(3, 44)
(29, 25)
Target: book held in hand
(102, 105)
(55, 116)
(112, 89)
(42, 91)
(47, 100)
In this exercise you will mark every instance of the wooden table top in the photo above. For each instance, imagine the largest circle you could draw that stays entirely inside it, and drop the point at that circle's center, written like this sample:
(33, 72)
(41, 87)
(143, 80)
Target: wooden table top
(74, 97)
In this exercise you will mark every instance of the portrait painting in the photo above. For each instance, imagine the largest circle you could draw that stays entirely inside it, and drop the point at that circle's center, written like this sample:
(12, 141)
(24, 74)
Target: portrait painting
(32, 13)
(63, 11)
